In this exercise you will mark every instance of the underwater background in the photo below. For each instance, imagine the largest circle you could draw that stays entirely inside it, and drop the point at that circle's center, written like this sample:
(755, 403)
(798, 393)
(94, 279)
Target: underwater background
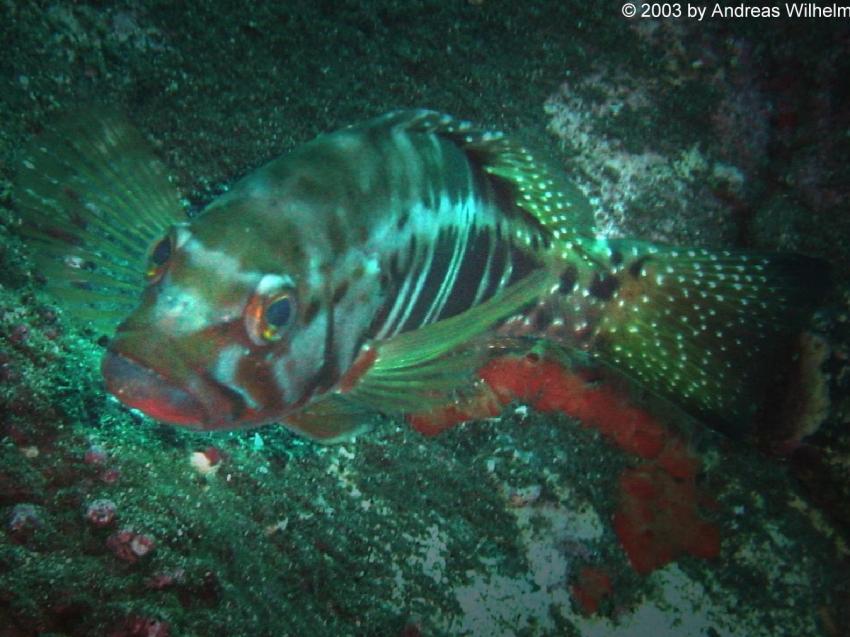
(725, 132)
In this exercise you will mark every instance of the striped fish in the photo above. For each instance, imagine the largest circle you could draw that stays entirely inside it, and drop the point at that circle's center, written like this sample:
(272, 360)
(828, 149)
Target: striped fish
(375, 269)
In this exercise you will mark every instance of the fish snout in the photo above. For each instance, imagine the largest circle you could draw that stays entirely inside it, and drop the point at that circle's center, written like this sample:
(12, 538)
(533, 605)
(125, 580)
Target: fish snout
(141, 387)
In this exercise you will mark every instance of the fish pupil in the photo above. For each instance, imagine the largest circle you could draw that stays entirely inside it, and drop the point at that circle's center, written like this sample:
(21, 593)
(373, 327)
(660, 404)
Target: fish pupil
(162, 252)
(277, 312)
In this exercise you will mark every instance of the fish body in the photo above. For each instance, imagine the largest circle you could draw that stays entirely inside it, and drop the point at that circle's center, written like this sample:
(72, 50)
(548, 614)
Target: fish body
(376, 269)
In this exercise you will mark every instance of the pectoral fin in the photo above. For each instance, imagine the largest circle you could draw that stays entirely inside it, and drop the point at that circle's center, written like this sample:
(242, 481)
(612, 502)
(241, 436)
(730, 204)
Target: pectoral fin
(421, 368)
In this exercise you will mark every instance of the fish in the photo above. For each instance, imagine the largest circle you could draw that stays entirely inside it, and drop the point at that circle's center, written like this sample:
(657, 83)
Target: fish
(376, 270)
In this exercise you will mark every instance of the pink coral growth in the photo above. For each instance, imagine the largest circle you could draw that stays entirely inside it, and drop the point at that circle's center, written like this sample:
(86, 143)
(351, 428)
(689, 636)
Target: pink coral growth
(24, 520)
(129, 546)
(101, 513)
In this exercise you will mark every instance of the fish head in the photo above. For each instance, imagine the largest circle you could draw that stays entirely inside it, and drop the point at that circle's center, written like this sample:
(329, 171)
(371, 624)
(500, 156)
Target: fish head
(217, 341)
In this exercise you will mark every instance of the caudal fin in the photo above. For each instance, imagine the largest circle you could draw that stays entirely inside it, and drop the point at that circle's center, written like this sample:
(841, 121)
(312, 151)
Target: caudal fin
(706, 329)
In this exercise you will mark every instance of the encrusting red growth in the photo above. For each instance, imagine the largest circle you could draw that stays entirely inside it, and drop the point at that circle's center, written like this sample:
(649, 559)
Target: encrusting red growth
(548, 386)
(482, 405)
(591, 587)
(657, 519)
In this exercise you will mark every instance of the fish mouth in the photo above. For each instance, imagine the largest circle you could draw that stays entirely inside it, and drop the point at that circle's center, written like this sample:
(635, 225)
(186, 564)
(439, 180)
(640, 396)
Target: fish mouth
(138, 386)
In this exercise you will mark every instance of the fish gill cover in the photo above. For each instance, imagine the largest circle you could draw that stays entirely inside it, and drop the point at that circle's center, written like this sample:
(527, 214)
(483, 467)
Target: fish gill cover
(580, 506)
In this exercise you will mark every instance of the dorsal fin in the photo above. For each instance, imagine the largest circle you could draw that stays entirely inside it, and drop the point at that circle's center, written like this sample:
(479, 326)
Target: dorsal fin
(538, 189)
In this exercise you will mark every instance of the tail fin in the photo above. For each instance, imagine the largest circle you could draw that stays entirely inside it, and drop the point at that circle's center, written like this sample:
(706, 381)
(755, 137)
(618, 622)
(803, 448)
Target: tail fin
(92, 198)
(706, 329)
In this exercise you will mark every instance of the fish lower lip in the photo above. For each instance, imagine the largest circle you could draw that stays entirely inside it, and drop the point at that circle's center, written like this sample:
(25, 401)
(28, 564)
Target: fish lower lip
(142, 388)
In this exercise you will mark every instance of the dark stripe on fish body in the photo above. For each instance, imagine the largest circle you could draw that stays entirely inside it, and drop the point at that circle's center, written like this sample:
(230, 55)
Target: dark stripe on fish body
(310, 312)
(471, 272)
(402, 220)
(498, 264)
(443, 252)
(329, 372)
(523, 262)
(404, 269)
(394, 270)
(339, 292)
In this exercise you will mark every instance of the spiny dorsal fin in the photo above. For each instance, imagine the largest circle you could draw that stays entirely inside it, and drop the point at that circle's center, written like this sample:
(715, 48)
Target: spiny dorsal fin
(702, 327)
(93, 198)
(538, 189)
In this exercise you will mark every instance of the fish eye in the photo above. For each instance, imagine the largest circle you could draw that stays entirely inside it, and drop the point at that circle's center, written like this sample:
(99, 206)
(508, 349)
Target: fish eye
(271, 310)
(276, 317)
(159, 257)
